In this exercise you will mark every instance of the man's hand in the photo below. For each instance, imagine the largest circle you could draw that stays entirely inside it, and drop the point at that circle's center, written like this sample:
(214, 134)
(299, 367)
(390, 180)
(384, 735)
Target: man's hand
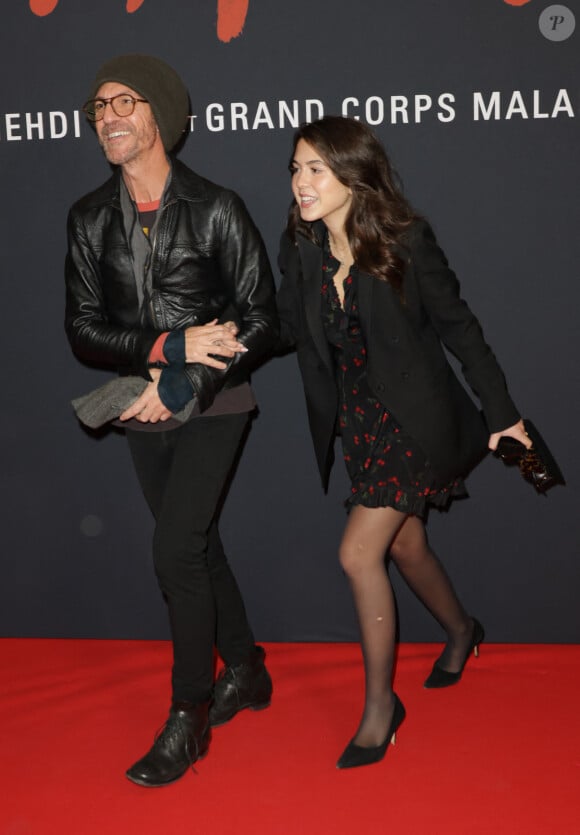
(202, 340)
(148, 408)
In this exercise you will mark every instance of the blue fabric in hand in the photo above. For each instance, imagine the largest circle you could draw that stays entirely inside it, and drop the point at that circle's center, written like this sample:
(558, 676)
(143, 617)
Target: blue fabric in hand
(174, 348)
(175, 388)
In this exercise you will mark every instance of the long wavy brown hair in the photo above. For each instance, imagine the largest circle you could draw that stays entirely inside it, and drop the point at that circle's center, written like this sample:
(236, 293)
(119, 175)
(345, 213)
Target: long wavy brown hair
(379, 212)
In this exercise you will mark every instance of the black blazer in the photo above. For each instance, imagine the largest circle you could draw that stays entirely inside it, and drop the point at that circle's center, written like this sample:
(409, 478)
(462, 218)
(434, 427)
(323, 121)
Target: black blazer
(408, 370)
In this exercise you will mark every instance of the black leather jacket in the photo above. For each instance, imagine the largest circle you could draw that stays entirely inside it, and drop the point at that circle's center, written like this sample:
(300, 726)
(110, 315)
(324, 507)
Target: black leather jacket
(208, 261)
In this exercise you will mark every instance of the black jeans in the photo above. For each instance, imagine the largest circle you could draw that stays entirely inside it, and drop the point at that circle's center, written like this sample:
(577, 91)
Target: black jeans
(183, 474)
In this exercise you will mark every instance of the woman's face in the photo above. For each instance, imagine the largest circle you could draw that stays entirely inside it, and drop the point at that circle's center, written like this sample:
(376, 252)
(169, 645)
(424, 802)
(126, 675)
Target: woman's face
(319, 194)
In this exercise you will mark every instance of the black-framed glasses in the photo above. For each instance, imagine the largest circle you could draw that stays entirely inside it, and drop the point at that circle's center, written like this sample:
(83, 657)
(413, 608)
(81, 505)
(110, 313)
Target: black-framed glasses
(122, 104)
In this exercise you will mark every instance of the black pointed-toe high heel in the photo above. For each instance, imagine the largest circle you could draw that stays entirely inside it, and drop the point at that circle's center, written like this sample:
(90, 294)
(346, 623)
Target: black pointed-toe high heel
(355, 755)
(443, 678)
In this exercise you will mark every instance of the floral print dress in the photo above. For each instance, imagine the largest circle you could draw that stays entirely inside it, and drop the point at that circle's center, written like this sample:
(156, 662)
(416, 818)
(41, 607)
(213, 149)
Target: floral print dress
(385, 465)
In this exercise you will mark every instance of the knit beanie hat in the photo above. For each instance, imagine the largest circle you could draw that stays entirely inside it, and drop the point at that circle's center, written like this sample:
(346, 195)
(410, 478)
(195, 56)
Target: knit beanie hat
(157, 82)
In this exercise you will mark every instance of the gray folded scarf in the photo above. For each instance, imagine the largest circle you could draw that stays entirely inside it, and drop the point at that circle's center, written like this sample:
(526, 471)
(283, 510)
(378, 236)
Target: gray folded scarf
(107, 402)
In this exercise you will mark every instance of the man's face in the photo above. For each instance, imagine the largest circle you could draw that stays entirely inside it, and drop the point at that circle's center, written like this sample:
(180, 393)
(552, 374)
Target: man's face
(126, 139)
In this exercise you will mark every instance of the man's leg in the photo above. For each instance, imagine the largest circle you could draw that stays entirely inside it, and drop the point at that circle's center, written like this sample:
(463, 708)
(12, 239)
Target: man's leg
(183, 473)
(234, 637)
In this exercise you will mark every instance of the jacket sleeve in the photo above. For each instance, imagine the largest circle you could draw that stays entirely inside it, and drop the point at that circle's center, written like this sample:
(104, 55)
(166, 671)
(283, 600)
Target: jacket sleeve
(246, 272)
(458, 328)
(91, 335)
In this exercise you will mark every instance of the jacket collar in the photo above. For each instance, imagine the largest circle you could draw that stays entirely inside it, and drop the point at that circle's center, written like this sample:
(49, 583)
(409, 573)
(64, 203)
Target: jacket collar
(311, 257)
(184, 184)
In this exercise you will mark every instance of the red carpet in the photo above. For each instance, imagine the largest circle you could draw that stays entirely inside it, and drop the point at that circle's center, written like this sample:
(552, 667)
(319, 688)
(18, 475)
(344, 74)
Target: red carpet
(499, 753)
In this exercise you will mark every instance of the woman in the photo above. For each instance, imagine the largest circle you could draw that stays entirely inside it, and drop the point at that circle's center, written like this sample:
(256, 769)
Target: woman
(368, 299)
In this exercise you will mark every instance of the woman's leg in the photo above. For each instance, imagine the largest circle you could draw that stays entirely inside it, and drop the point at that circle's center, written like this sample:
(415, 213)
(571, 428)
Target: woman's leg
(425, 575)
(367, 537)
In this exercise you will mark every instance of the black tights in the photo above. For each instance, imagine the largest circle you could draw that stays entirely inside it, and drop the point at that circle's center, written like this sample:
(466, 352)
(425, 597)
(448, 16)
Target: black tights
(370, 533)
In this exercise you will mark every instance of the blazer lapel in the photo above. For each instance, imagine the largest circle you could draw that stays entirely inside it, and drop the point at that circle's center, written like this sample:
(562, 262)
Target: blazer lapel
(378, 303)
(365, 285)
(311, 258)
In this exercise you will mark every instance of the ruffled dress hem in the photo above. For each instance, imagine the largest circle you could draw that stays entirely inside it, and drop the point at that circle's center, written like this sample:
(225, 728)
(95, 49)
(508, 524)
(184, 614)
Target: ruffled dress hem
(412, 503)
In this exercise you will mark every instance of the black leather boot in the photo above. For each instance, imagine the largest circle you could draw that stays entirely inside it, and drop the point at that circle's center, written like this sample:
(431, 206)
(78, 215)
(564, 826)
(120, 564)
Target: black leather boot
(241, 686)
(183, 740)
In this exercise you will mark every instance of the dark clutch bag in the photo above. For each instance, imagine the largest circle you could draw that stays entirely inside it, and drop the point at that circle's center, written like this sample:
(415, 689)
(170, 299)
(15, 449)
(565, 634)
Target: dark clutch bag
(537, 464)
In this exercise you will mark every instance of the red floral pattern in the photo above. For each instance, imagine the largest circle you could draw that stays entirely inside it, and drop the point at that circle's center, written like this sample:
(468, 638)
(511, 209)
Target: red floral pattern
(385, 465)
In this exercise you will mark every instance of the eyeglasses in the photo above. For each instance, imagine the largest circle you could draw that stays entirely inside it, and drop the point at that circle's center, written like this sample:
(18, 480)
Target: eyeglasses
(123, 105)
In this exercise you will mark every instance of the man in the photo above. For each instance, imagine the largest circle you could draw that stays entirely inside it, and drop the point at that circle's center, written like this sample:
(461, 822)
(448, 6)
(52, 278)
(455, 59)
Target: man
(167, 278)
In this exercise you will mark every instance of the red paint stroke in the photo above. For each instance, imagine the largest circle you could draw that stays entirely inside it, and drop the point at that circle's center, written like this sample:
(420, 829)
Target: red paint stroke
(42, 7)
(517, 2)
(231, 18)
(231, 14)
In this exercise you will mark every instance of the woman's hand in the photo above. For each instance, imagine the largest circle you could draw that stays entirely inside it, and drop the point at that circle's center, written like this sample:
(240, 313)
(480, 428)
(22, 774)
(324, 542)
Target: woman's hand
(517, 431)
(202, 340)
(148, 407)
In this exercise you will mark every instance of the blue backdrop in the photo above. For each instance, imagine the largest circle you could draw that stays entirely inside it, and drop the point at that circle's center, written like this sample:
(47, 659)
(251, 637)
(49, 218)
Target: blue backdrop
(478, 104)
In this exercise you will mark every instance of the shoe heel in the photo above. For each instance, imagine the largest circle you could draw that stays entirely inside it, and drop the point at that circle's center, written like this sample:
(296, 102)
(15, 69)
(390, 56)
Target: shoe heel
(478, 636)
(261, 706)
(355, 755)
(204, 745)
(399, 715)
(442, 678)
